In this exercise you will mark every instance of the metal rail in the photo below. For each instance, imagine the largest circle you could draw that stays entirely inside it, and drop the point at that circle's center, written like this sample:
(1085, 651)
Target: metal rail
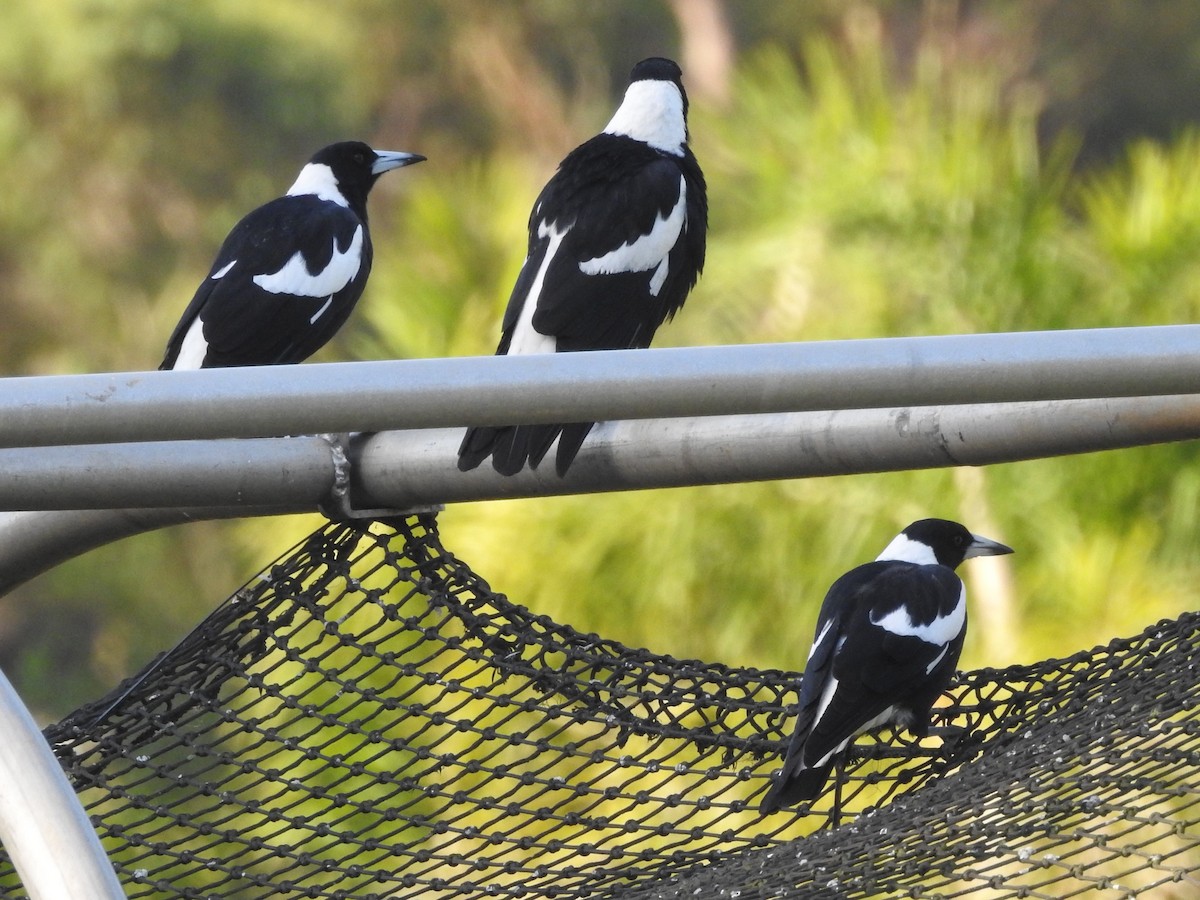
(623, 384)
(402, 469)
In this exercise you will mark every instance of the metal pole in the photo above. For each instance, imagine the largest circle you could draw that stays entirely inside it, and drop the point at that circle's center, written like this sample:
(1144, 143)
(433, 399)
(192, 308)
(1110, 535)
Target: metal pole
(44, 829)
(298, 471)
(403, 469)
(417, 468)
(626, 384)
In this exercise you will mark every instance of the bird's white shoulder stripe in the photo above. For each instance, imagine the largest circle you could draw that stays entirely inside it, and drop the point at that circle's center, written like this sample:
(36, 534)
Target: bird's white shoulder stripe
(525, 338)
(820, 639)
(650, 251)
(193, 349)
(294, 277)
(831, 686)
(223, 271)
(941, 631)
(318, 180)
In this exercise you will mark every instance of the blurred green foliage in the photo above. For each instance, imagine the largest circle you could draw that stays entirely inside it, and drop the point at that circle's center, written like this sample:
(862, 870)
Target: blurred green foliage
(876, 169)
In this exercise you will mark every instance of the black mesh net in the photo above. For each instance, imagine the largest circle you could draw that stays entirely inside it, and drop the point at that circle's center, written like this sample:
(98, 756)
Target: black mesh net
(367, 718)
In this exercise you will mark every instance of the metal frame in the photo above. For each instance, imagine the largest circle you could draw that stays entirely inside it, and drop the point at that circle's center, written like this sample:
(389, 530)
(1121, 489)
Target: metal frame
(88, 459)
(42, 824)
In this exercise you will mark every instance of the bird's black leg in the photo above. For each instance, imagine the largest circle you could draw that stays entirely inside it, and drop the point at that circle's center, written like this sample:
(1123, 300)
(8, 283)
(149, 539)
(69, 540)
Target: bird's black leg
(839, 772)
(954, 739)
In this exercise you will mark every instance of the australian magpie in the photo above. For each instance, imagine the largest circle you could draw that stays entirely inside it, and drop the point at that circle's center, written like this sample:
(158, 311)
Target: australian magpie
(888, 638)
(290, 272)
(616, 241)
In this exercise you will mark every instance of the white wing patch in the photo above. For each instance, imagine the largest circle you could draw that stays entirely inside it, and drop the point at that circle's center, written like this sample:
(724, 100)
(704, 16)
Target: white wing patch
(824, 633)
(937, 659)
(320, 312)
(193, 349)
(660, 277)
(294, 277)
(650, 251)
(223, 271)
(525, 338)
(941, 631)
(831, 687)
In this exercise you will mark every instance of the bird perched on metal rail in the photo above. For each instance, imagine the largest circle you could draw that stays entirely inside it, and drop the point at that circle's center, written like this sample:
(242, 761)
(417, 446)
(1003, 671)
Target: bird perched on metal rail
(290, 272)
(887, 642)
(616, 242)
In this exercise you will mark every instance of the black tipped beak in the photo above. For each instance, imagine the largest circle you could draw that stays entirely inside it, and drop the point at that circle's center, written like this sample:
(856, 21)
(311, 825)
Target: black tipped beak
(981, 546)
(386, 160)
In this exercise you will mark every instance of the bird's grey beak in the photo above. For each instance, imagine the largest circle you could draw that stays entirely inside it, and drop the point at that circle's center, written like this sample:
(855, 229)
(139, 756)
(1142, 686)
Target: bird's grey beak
(386, 160)
(981, 546)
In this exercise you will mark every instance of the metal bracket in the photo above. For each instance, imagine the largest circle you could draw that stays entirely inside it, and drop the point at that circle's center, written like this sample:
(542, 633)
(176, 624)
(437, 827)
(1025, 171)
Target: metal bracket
(338, 505)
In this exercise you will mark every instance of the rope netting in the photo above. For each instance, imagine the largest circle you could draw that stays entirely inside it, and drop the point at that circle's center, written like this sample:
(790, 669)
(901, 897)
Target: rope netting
(367, 718)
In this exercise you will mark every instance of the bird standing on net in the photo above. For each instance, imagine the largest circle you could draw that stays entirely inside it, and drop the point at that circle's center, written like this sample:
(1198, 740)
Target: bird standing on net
(887, 643)
(616, 241)
(290, 272)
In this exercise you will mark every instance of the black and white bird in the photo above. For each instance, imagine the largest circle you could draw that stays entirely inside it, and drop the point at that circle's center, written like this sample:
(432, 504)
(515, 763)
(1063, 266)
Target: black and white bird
(616, 241)
(887, 643)
(290, 272)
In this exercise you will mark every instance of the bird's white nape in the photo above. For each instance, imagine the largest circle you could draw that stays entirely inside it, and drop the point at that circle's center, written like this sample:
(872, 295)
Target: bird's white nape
(318, 180)
(652, 112)
(905, 549)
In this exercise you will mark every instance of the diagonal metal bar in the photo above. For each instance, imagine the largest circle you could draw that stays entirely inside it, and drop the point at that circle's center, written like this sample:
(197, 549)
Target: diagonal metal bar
(34, 542)
(627, 384)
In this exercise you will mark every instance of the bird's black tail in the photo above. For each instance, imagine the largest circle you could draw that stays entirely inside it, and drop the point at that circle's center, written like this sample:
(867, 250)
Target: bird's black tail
(790, 788)
(571, 440)
(476, 446)
(511, 446)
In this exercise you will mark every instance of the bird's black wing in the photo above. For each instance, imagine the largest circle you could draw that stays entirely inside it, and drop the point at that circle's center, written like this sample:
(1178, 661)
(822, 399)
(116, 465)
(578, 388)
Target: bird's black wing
(246, 324)
(877, 668)
(600, 290)
(798, 781)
